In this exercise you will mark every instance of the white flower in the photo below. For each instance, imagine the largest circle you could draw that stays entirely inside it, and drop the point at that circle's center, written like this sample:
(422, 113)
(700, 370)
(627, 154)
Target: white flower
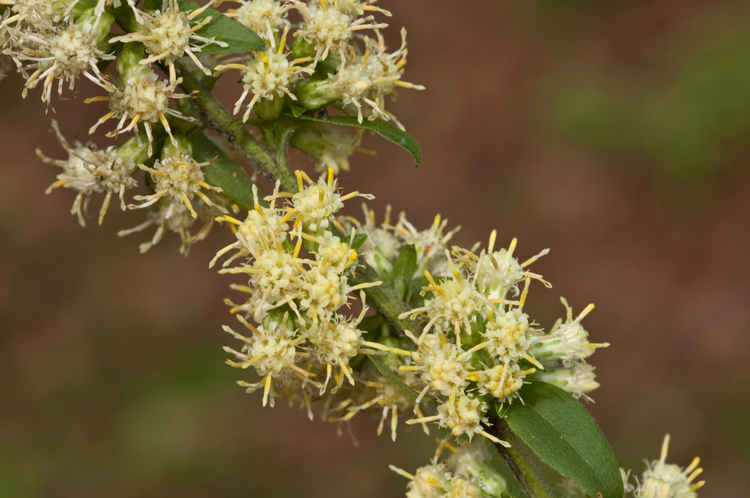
(567, 341)
(462, 414)
(429, 481)
(169, 217)
(316, 204)
(264, 228)
(379, 74)
(90, 171)
(169, 35)
(508, 334)
(62, 55)
(38, 13)
(443, 365)
(463, 488)
(502, 381)
(323, 291)
(381, 240)
(272, 351)
(455, 303)
(497, 272)
(333, 252)
(267, 75)
(430, 244)
(663, 480)
(262, 16)
(178, 178)
(328, 26)
(143, 97)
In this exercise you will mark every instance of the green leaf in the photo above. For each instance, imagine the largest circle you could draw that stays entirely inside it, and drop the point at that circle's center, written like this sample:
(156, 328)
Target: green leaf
(223, 173)
(385, 130)
(359, 240)
(566, 437)
(404, 269)
(394, 379)
(238, 37)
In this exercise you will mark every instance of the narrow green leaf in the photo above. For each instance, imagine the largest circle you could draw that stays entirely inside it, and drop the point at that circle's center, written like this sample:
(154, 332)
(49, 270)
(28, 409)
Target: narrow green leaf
(223, 173)
(389, 374)
(238, 37)
(404, 269)
(385, 130)
(566, 437)
(359, 240)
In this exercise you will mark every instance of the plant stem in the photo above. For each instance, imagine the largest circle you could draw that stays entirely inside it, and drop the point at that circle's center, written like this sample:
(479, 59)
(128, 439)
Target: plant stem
(219, 119)
(384, 298)
(519, 461)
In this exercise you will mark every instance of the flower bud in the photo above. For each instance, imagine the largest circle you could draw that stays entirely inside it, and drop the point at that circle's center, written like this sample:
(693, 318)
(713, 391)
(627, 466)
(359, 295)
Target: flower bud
(578, 379)
(301, 48)
(314, 93)
(135, 150)
(87, 22)
(330, 148)
(179, 147)
(129, 63)
(330, 65)
(269, 109)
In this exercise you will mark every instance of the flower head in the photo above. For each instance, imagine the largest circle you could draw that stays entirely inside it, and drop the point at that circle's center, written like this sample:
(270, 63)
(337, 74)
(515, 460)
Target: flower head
(664, 480)
(330, 25)
(502, 381)
(142, 98)
(567, 341)
(272, 352)
(171, 34)
(178, 178)
(262, 16)
(267, 75)
(90, 171)
(63, 54)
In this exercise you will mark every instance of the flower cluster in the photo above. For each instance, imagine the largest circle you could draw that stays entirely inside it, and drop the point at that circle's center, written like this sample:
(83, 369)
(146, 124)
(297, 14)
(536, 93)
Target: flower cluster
(300, 272)
(330, 63)
(476, 347)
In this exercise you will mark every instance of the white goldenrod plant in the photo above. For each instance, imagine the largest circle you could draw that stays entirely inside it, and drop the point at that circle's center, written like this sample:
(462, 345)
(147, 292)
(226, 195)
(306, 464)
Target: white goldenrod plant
(438, 335)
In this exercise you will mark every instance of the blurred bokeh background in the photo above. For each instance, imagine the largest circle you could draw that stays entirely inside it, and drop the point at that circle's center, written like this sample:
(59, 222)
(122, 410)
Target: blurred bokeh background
(613, 132)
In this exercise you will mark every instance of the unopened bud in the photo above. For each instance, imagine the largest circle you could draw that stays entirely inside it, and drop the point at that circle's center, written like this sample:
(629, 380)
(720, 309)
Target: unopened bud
(269, 109)
(314, 93)
(177, 148)
(134, 150)
(129, 63)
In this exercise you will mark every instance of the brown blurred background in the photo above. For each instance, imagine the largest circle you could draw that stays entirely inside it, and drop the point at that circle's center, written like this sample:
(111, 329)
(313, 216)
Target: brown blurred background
(614, 133)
